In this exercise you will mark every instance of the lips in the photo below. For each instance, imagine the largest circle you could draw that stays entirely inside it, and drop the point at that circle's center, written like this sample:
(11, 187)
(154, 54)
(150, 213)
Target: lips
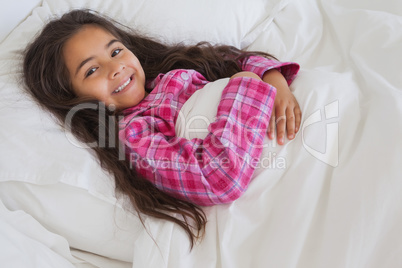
(123, 86)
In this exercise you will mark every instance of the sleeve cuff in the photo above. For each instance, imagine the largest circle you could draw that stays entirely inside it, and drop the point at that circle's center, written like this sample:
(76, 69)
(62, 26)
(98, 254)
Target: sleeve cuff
(259, 65)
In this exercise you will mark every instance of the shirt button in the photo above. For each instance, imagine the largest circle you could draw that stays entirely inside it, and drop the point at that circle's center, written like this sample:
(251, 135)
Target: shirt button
(184, 75)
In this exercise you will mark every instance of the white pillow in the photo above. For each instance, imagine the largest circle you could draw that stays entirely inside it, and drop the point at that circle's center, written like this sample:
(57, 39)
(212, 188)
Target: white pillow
(200, 110)
(40, 163)
(222, 21)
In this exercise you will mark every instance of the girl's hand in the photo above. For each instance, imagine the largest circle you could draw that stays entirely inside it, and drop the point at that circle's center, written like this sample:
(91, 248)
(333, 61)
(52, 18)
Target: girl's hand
(286, 114)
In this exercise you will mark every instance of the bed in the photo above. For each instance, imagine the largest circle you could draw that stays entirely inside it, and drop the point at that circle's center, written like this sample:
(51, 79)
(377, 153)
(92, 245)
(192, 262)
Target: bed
(332, 197)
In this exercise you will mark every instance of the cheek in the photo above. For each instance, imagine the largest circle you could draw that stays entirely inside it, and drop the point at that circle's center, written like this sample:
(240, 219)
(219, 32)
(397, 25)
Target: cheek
(76, 89)
(89, 89)
(134, 60)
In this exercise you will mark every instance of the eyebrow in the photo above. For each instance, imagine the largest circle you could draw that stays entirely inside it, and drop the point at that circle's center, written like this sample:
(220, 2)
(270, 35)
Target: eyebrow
(111, 42)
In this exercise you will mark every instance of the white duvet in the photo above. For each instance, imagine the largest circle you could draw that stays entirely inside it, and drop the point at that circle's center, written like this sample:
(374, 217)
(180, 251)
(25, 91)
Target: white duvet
(330, 198)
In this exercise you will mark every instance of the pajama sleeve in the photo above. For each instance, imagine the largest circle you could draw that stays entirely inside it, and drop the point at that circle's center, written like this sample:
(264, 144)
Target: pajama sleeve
(259, 65)
(209, 171)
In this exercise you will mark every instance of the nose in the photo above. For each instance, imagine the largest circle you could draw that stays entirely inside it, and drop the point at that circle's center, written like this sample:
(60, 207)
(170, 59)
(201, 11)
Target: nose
(116, 69)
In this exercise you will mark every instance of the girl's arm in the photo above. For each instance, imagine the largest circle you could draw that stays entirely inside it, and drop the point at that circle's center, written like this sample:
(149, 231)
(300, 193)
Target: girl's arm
(286, 114)
(213, 170)
(246, 74)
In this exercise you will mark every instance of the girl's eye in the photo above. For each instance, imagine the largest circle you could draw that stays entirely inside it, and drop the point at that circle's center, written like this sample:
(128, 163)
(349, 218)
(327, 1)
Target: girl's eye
(115, 52)
(91, 71)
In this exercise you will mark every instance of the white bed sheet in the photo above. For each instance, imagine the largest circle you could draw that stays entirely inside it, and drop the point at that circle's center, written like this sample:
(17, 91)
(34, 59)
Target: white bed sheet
(330, 198)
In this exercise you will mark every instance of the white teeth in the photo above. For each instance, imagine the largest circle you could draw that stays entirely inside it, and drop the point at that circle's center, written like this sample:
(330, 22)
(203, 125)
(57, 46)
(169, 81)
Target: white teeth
(122, 86)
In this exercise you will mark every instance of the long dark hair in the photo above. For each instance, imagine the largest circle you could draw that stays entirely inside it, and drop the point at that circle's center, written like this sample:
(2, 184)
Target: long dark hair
(47, 80)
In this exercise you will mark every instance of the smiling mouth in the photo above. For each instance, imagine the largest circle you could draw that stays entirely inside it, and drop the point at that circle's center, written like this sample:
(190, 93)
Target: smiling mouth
(122, 86)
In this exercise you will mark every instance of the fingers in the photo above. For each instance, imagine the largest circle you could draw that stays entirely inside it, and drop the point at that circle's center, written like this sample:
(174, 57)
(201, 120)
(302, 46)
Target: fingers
(280, 126)
(284, 121)
(290, 124)
(277, 124)
(298, 116)
(271, 127)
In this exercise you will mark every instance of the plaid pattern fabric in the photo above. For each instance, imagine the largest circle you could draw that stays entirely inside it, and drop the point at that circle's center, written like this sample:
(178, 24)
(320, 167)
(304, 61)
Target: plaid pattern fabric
(207, 171)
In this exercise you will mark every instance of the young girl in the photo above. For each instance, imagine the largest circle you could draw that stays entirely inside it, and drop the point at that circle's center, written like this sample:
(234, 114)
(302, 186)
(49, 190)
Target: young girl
(84, 57)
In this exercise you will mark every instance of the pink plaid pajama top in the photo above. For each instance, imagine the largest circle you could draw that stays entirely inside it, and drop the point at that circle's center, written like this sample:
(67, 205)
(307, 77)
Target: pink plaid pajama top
(218, 168)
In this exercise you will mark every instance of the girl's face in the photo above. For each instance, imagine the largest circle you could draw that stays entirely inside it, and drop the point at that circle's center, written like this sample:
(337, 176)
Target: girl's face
(101, 67)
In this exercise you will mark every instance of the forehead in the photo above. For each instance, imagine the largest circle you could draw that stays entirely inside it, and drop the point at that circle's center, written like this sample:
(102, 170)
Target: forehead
(89, 34)
(87, 42)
